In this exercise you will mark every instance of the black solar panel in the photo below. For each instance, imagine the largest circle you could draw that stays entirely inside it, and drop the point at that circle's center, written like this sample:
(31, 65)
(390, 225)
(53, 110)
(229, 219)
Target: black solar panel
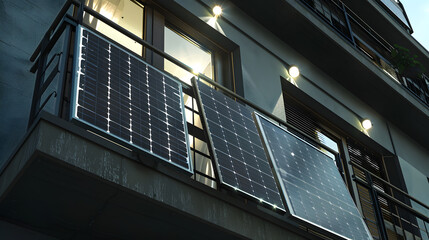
(312, 185)
(238, 151)
(129, 99)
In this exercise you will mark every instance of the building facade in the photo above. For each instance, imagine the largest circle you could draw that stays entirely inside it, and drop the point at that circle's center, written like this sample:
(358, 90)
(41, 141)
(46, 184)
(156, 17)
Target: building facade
(110, 131)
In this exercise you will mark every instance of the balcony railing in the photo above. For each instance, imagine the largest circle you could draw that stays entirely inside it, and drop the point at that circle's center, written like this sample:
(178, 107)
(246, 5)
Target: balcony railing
(361, 36)
(391, 210)
(52, 66)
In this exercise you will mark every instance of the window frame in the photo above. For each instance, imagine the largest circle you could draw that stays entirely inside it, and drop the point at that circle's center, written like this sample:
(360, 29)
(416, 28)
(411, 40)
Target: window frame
(197, 43)
(225, 53)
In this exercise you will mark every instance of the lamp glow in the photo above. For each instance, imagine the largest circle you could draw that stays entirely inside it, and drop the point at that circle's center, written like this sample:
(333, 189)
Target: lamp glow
(217, 10)
(366, 124)
(293, 71)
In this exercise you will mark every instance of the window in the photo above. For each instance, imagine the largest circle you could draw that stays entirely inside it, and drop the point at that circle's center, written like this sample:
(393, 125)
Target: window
(203, 166)
(126, 13)
(300, 118)
(187, 51)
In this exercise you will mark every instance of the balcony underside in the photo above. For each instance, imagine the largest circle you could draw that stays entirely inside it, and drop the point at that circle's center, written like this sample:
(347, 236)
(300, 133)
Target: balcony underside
(299, 27)
(68, 186)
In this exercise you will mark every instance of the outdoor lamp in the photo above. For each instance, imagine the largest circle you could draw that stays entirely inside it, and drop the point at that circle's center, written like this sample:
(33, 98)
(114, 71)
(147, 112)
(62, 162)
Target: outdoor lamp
(366, 124)
(217, 10)
(293, 71)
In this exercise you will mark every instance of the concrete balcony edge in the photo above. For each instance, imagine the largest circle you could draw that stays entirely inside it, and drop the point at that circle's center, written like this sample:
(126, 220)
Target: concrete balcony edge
(56, 168)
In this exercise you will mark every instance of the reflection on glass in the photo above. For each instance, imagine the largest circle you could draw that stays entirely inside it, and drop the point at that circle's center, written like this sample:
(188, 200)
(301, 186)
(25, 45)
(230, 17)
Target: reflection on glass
(201, 146)
(203, 165)
(206, 181)
(126, 13)
(329, 143)
(188, 114)
(188, 52)
(197, 121)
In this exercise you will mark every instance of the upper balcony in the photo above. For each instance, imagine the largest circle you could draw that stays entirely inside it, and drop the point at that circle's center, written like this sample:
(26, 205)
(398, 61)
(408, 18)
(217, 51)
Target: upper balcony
(341, 43)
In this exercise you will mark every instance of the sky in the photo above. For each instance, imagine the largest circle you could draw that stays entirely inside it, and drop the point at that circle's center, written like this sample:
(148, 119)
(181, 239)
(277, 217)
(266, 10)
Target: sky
(418, 14)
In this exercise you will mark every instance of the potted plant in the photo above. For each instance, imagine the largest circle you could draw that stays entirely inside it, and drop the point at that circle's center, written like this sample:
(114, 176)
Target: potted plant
(406, 64)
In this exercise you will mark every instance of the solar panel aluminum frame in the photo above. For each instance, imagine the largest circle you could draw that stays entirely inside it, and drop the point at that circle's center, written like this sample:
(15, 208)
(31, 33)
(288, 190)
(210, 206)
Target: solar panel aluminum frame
(74, 98)
(214, 156)
(289, 209)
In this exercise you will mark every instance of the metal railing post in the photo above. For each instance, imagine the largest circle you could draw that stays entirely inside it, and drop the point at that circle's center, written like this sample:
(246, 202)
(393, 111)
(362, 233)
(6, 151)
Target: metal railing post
(63, 70)
(39, 81)
(376, 206)
(349, 26)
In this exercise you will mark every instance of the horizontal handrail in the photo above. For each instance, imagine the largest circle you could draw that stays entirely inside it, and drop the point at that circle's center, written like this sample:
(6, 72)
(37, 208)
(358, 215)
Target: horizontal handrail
(389, 184)
(368, 28)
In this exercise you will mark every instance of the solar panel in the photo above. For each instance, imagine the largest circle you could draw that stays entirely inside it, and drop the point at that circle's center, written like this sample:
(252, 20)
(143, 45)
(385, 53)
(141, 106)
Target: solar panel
(238, 151)
(311, 183)
(119, 94)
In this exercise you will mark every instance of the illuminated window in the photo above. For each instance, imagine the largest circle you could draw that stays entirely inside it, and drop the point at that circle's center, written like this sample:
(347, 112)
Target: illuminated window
(203, 166)
(189, 52)
(126, 13)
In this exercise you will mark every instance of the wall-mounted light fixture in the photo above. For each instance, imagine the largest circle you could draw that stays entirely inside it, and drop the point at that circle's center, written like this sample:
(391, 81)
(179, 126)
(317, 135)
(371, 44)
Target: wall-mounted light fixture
(217, 10)
(293, 71)
(366, 124)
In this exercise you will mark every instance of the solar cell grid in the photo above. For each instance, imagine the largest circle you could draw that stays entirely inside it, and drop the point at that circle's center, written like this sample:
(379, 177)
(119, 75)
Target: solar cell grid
(312, 185)
(127, 98)
(238, 151)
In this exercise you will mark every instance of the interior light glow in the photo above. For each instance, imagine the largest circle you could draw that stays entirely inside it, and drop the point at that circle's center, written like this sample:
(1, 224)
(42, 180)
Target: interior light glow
(366, 124)
(217, 10)
(294, 71)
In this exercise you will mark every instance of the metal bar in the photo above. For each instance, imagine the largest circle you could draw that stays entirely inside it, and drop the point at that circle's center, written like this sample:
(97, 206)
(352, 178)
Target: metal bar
(346, 16)
(63, 68)
(394, 200)
(50, 61)
(376, 207)
(54, 25)
(70, 21)
(355, 17)
(40, 75)
(50, 43)
(48, 81)
(46, 101)
(390, 185)
(404, 206)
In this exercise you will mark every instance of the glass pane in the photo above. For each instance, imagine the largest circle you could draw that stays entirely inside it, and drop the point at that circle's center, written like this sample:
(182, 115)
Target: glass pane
(197, 121)
(189, 118)
(201, 146)
(203, 165)
(187, 100)
(205, 180)
(327, 141)
(187, 52)
(126, 13)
